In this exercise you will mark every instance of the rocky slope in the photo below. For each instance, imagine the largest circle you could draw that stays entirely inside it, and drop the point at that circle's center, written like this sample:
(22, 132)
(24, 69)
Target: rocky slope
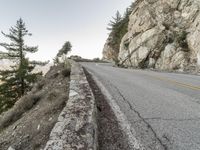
(162, 34)
(28, 124)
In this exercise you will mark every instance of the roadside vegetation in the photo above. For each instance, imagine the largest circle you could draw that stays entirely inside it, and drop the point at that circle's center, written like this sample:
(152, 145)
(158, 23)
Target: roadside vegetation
(62, 53)
(30, 103)
(19, 78)
(27, 125)
(118, 27)
(61, 58)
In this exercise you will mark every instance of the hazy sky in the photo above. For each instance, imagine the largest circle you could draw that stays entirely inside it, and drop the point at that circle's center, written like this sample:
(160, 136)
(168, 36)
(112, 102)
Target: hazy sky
(52, 22)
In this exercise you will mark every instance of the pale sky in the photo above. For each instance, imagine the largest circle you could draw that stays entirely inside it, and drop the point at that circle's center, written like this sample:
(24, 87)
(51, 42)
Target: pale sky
(52, 22)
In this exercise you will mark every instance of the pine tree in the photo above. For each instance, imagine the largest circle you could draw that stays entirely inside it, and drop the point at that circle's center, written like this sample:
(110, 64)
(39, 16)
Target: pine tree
(118, 27)
(113, 23)
(65, 49)
(17, 80)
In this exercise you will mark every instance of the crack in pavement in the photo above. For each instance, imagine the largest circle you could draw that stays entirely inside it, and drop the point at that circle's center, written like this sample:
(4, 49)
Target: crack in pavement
(143, 119)
(168, 119)
(172, 119)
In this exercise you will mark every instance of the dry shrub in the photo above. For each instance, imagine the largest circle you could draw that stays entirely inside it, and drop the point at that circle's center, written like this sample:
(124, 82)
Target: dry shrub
(38, 86)
(67, 69)
(66, 72)
(57, 104)
(53, 72)
(24, 104)
(52, 95)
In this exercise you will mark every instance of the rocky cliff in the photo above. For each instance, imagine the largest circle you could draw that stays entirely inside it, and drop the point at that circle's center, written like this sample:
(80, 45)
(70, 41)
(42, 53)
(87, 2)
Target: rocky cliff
(162, 34)
(109, 52)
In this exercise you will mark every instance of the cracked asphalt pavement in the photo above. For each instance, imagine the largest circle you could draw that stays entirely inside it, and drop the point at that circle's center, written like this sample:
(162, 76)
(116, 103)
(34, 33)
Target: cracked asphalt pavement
(163, 108)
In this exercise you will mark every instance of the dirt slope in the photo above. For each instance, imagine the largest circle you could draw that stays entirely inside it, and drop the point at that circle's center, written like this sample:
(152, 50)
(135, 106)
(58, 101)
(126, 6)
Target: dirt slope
(28, 124)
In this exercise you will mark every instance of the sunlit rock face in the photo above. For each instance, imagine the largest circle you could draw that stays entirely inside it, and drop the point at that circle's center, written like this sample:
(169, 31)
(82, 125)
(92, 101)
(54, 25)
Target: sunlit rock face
(109, 52)
(162, 34)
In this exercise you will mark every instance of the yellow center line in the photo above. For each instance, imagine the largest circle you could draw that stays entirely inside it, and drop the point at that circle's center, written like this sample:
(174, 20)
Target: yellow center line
(177, 83)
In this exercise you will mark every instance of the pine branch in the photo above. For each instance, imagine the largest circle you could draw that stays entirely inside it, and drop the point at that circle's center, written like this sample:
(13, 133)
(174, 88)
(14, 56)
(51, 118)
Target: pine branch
(5, 72)
(32, 49)
(40, 63)
(2, 55)
(10, 47)
(11, 37)
(13, 54)
(9, 55)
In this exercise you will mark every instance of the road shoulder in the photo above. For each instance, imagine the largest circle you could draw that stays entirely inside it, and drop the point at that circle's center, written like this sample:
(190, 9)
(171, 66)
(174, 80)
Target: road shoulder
(114, 131)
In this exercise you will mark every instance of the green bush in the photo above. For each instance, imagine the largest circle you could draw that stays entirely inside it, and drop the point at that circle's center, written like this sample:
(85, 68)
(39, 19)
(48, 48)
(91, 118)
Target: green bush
(119, 27)
(182, 39)
(67, 68)
(23, 105)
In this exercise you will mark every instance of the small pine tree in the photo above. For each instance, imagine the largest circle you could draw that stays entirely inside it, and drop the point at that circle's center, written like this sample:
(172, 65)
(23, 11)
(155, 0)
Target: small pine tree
(17, 80)
(118, 27)
(113, 23)
(65, 49)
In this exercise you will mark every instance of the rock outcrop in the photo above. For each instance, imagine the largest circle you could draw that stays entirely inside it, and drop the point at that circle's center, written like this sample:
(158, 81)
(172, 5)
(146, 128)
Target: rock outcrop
(162, 34)
(109, 52)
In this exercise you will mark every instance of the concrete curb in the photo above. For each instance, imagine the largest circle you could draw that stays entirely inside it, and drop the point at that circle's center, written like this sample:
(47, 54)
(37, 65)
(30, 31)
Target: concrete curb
(76, 127)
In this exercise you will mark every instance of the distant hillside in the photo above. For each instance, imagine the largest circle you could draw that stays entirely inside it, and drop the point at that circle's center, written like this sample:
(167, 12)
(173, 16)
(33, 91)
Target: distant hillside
(5, 64)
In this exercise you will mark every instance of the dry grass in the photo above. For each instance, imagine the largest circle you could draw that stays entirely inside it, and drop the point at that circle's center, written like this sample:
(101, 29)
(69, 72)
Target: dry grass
(21, 106)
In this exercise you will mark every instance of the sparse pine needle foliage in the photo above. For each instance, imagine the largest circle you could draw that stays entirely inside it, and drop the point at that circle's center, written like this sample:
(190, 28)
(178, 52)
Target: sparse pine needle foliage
(18, 79)
(119, 27)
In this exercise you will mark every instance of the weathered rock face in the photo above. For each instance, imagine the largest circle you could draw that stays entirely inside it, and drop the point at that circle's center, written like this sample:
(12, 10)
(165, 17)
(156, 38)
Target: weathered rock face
(162, 34)
(109, 52)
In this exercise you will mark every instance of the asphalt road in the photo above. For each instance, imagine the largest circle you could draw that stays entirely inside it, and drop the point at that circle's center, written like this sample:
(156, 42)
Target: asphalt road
(163, 108)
